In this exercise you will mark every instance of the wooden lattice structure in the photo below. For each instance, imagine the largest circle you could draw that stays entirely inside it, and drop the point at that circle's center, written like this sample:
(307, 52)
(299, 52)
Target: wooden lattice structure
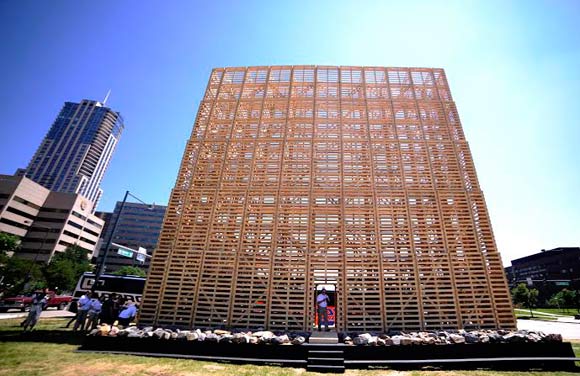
(355, 176)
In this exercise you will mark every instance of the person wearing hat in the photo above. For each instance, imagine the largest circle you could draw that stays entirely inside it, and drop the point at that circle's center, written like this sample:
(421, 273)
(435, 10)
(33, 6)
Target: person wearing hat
(322, 301)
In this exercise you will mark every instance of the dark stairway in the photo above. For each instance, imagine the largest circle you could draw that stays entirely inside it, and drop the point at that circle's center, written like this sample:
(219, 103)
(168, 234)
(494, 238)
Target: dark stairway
(324, 353)
(324, 358)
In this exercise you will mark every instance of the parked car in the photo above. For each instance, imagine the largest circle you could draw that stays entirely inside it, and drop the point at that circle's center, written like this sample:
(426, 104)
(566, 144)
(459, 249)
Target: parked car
(23, 302)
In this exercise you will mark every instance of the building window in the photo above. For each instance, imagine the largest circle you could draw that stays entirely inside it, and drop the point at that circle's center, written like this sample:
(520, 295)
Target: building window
(13, 223)
(25, 202)
(20, 213)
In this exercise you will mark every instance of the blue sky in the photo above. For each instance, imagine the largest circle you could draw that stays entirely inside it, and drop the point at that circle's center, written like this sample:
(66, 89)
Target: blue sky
(513, 68)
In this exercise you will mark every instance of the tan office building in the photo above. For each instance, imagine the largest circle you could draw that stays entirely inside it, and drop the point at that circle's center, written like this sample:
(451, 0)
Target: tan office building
(358, 179)
(47, 222)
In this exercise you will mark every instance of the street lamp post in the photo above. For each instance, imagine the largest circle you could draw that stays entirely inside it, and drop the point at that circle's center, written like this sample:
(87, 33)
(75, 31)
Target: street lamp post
(101, 266)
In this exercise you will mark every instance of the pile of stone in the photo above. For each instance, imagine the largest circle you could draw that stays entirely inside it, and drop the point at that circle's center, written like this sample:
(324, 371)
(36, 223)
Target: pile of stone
(209, 336)
(447, 338)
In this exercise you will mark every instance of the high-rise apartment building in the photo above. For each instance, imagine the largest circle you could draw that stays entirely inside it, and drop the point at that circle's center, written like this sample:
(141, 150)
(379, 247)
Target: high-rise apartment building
(76, 151)
(138, 225)
(355, 178)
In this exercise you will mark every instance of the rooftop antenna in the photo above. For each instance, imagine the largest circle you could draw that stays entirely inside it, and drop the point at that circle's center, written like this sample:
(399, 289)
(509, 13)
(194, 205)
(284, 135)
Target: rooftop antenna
(106, 97)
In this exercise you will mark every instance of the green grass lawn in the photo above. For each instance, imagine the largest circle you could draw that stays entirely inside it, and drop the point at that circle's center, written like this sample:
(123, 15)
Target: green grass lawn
(557, 311)
(526, 315)
(544, 314)
(19, 356)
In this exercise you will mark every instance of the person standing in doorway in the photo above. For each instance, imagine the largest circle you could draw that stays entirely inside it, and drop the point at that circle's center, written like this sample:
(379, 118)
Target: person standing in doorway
(322, 301)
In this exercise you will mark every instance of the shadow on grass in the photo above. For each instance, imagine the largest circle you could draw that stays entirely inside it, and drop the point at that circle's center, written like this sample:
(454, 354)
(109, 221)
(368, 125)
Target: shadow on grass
(46, 336)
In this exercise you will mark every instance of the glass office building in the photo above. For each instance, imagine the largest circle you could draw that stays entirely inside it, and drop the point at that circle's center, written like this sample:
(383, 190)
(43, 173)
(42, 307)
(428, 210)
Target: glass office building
(138, 225)
(76, 151)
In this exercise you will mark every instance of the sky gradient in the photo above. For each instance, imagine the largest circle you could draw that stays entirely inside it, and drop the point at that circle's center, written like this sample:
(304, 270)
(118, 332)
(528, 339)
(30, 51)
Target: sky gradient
(513, 68)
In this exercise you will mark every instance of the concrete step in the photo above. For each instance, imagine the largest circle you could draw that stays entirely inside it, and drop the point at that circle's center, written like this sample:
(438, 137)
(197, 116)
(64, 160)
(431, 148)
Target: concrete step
(326, 361)
(325, 368)
(325, 352)
(320, 360)
(323, 338)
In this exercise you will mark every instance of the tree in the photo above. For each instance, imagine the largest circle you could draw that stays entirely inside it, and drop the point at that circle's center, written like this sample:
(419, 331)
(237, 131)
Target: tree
(8, 243)
(554, 302)
(17, 273)
(65, 268)
(564, 299)
(577, 300)
(131, 270)
(526, 297)
(568, 298)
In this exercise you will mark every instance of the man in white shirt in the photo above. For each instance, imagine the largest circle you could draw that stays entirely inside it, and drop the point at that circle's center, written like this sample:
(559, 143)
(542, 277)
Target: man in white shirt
(322, 302)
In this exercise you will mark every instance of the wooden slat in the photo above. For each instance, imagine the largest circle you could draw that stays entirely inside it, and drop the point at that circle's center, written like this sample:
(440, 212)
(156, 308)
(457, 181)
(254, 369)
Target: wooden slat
(356, 176)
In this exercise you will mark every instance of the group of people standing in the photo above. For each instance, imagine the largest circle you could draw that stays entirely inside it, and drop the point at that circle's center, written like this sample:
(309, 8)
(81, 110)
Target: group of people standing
(93, 310)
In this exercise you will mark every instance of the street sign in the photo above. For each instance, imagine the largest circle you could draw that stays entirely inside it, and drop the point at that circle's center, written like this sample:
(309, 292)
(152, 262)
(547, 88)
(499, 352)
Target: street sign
(141, 254)
(125, 253)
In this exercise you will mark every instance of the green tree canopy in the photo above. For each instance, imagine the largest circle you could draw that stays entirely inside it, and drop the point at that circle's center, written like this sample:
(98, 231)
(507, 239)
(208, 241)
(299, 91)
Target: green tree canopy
(65, 269)
(564, 299)
(525, 297)
(131, 270)
(17, 273)
(8, 243)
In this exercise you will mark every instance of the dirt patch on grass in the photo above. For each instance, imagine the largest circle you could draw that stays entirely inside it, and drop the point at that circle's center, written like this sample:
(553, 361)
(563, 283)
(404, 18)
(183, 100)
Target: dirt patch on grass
(96, 368)
(351, 372)
(213, 367)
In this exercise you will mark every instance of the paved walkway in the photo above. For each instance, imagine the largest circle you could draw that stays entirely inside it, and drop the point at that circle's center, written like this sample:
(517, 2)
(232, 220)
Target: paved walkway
(568, 330)
(561, 318)
(49, 313)
(540, 313)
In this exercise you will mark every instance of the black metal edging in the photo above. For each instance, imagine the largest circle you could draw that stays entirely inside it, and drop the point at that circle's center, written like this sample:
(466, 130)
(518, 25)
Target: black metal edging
(458, 360)
(550, 356)
(353, 362)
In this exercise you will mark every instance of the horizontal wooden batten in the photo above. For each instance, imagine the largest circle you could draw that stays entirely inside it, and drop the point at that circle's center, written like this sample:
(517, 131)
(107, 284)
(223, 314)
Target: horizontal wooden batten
(358, 177)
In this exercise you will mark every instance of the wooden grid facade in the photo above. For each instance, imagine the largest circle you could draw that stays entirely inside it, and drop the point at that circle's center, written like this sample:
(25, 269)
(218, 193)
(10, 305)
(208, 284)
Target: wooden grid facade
(296, 176)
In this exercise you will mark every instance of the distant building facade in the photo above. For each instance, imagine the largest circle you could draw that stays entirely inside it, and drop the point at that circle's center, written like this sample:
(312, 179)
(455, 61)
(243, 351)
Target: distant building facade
(139, 226)
(105, 216)
(76, 151)
(46, 222)
(549, 271)
(560, 264)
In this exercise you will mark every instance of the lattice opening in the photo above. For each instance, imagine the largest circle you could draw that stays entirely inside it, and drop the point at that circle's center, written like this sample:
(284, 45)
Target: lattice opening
(355, 176)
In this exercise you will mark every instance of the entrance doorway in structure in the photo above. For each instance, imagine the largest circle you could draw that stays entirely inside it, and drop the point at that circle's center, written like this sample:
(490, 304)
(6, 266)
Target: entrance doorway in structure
(331, 308)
